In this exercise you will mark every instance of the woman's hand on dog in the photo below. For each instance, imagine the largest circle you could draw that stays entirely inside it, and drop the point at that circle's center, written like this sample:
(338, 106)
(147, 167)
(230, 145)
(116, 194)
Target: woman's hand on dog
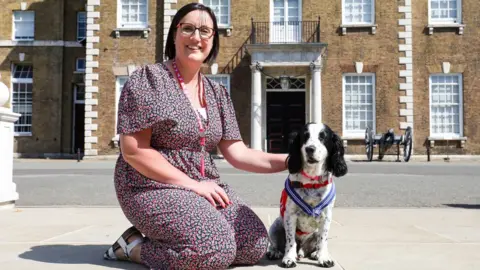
(212, 192)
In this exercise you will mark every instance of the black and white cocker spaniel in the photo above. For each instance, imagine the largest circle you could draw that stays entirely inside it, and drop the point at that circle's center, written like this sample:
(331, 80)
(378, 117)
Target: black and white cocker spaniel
(316, 155)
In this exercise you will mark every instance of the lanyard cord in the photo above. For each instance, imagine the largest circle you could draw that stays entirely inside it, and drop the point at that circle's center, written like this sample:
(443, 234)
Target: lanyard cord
(199, 120)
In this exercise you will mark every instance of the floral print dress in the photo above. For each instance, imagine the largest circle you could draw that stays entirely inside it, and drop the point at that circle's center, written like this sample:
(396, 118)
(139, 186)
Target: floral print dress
(182, 229)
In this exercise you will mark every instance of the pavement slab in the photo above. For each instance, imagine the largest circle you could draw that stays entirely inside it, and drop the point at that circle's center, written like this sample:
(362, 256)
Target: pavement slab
(360, 238)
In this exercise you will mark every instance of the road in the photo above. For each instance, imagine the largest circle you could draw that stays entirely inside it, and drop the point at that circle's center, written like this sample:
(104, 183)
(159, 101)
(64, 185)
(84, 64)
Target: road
(376, 184)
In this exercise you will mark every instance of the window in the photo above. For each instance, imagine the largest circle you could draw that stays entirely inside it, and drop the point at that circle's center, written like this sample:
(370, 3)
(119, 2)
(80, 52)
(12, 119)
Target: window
(132, 13)
(358, 12)
(221, 8)
(80, 65)
(23, 25)
(121, 80)
(445, 11)
(446, 112)
(22, 84)
(358, 104)
(221, 79)
(274, 84)
(81, 25)
(79, 95)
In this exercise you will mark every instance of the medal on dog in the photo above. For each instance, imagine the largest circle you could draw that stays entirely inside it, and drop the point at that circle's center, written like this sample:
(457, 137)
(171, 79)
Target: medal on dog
(315, 211)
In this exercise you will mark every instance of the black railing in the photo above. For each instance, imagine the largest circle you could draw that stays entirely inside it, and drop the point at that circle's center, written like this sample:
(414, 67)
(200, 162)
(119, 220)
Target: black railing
(236, 59)
(285, 32)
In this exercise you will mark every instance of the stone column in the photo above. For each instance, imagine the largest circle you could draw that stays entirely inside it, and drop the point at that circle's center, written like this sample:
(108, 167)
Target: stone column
(8, 193)
(256, 109)
(315, 69)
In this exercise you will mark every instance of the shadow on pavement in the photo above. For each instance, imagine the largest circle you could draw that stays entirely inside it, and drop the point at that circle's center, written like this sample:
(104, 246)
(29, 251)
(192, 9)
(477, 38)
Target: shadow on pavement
(75, 254)
(462, 205)
(264, 262)
(93, 255)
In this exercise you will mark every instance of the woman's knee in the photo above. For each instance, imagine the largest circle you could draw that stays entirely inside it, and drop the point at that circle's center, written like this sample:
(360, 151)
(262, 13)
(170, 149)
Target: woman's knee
(214, 245)
(220, 251)
(251, 236)
(252, 252)
(208, 250)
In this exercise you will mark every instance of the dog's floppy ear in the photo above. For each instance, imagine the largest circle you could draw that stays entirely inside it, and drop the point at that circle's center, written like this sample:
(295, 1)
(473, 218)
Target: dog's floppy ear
(335, 161)
(294, 154)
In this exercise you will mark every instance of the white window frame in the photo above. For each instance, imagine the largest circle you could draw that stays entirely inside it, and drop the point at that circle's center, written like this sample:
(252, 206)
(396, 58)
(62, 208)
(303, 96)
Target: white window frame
(359, 133)
(79, 22)
(77, 63)
(211, 76)
(289, 31)
(460, 106)
(371, 22)
(14, 25)
(139, 25)
(118, 87)
(229, 18)
(455, 21)
(25, 81)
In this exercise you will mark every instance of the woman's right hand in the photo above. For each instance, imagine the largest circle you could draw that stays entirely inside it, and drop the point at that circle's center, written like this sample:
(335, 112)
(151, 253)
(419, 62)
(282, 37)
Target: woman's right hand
(212, 192)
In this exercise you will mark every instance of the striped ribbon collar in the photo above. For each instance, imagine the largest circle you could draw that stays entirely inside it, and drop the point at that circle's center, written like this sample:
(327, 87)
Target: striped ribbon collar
(315, 211)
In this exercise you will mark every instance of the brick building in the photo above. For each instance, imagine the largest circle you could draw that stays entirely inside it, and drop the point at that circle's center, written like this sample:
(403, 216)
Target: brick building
(350, 64)
(42, 61)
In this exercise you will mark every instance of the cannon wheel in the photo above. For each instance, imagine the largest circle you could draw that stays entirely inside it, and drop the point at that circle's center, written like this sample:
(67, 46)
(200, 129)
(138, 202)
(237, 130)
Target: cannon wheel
(369, 143)
(407, 144)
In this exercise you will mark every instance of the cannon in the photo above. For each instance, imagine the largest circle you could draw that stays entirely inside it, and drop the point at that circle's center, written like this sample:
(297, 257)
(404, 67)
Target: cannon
(386, 140)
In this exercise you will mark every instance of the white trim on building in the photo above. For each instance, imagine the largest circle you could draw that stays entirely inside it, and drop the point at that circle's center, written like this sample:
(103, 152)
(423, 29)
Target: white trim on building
(91, 79)
(407, 73)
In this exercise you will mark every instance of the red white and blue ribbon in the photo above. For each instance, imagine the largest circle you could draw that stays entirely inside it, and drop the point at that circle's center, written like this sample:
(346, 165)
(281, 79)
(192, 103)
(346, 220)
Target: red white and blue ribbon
(315, 211)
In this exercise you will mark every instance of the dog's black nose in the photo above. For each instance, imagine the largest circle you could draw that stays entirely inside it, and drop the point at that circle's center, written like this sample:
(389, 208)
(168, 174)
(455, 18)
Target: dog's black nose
(310, 150)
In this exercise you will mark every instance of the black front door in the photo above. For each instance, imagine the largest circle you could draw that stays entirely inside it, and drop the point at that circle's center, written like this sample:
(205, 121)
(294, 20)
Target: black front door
(79, 129)
(285, 113)
(78, 118)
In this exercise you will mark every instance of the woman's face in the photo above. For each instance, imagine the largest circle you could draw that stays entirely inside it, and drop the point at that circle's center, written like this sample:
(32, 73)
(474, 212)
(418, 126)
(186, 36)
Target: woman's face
(191, 44)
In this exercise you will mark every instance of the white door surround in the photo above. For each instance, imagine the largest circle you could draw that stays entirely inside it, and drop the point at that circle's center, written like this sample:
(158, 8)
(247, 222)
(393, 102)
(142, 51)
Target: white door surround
(313, 102)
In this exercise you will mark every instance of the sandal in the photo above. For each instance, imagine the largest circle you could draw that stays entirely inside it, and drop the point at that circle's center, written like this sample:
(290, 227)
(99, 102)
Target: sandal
(122, 243)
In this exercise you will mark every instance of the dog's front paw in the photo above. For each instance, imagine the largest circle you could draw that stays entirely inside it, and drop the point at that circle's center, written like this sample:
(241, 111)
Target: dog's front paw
(288, 262)
(301, 254)
(274, 254)
(323, 259)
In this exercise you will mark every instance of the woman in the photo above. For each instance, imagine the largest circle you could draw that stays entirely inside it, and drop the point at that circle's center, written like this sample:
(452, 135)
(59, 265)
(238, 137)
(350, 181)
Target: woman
(166, 182)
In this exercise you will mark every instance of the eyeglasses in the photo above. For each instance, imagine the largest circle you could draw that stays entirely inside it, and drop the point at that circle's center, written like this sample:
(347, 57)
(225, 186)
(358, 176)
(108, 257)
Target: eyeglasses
(188, 29)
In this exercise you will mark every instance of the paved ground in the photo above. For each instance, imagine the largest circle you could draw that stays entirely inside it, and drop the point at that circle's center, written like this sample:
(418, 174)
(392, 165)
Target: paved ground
(388, 184)
(360, 239)
(389, 216)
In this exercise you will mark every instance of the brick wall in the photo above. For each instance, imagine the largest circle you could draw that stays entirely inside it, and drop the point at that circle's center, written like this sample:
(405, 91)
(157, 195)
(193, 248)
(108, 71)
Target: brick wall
(47, 65)
(380, 53)
(52, 71)
(131, 48)
(47, 13)
(463, 54)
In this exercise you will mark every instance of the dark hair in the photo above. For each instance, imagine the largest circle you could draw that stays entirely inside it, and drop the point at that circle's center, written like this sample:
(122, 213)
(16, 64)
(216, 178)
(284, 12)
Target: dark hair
(170, 46)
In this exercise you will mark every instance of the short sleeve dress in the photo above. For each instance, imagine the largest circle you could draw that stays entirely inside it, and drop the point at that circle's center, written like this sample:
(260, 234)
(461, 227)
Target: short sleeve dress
(170, 216)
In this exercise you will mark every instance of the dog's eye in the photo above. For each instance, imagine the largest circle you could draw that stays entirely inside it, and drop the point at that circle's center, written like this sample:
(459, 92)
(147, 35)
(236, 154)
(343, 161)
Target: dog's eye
(321, 135)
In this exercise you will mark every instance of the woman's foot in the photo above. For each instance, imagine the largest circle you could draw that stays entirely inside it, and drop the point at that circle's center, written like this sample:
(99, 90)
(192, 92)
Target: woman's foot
(127, 247)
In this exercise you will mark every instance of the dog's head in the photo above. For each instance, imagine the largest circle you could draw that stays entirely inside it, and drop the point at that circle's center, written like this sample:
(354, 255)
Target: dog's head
(316, 145)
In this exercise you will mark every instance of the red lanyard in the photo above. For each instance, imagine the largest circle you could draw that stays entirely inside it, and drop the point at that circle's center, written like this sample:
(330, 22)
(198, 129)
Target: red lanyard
(201, 128)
